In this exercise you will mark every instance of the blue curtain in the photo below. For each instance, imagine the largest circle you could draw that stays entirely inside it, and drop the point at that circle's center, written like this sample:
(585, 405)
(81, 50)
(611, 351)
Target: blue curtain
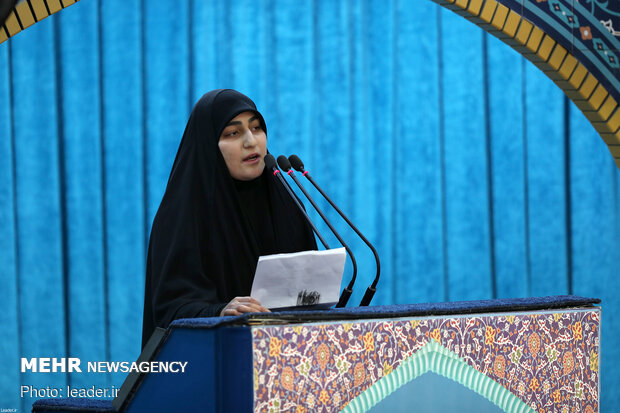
(467, 168)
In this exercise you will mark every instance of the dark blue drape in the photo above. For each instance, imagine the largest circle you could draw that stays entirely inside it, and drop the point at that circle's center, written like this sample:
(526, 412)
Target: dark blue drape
(466, 166)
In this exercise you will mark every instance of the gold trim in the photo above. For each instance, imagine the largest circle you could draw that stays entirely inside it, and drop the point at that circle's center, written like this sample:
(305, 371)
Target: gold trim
(499, 19)
(12, 25)
(54, 6)
(26, 16)
(39, 8)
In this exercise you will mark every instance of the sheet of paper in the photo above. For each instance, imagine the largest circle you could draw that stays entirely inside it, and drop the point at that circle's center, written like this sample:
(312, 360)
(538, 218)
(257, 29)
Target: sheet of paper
(300, 278)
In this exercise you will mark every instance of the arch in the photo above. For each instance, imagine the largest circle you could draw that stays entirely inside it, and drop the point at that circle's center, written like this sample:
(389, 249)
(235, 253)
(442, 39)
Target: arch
(546, 32)
(438, 359)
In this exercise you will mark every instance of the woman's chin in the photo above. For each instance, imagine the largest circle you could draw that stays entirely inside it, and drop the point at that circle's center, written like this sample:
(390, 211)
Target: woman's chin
(248, 173)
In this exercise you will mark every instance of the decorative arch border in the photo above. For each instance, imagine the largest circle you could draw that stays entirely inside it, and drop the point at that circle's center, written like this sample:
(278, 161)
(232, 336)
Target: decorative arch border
(573, 47)
(438, 359)
(28, 12)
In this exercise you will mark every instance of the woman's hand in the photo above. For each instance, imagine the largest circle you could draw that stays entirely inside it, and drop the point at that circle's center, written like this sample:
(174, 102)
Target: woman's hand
(240, 305)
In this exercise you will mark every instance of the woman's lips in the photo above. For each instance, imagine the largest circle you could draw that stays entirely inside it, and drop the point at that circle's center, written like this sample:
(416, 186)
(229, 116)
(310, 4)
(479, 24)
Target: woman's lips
(251, 159)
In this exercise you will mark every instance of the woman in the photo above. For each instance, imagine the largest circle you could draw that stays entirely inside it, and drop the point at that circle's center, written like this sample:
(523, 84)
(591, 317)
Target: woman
(220, 212)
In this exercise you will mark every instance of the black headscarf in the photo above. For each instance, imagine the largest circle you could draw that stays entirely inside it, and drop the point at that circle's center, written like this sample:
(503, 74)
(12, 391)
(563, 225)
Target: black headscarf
(208, 232)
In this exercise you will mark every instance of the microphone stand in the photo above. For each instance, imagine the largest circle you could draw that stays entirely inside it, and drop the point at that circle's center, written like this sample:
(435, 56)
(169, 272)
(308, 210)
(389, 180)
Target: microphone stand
(348, 290)
(370, 291)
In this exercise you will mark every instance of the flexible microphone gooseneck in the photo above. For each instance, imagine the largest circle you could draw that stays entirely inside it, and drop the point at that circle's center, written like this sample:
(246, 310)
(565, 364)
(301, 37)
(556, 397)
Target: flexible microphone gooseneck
(270, 164)
(370, 292)
(346, 293)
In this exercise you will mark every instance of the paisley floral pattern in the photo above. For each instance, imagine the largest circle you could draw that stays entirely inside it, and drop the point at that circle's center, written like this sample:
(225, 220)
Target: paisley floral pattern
(548, 360)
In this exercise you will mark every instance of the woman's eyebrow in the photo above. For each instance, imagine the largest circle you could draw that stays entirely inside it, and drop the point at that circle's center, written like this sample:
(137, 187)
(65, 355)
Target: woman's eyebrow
(238, 122)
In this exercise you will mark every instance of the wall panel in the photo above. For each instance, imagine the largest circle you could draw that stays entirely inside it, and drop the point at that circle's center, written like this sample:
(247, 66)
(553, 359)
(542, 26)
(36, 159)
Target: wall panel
(378, 138)
(166, 77)
(546, 185)
(418, 242)
(9, 317)
(507, 169)
(41, 243)
(123, 150)
(82, 183)
(465, 160)
(205, 24)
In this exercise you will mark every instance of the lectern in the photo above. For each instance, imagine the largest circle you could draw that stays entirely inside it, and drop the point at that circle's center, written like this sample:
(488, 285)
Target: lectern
(514, 355)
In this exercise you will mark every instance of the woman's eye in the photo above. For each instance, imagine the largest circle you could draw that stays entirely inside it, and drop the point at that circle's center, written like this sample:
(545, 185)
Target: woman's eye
(230, 134)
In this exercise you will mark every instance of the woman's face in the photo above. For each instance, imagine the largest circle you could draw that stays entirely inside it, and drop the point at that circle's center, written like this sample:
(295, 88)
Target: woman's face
(243, 144)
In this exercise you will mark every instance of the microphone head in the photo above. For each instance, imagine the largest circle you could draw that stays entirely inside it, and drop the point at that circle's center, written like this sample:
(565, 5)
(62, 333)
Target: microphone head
(298, 165)
(270, 162)
(285, 165)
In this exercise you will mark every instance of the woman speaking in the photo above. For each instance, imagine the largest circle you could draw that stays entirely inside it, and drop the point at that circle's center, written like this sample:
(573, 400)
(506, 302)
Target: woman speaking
(221, 210)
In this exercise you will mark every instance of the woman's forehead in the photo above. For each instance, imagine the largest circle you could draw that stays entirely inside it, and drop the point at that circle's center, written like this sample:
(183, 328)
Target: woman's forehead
(244, 117)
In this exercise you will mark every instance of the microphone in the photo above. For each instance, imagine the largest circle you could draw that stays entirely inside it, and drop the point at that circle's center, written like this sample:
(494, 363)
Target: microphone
(370, 291)
(346, 293)
(270, 164)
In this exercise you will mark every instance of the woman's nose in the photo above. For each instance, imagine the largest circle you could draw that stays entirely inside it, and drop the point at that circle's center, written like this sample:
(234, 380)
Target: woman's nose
(249, 139)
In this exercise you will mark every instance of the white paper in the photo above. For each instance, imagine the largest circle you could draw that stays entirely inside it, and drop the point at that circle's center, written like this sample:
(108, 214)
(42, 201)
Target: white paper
(281, 279)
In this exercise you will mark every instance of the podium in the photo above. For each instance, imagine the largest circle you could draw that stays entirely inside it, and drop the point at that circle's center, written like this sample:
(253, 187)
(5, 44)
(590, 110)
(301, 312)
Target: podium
(514, 355)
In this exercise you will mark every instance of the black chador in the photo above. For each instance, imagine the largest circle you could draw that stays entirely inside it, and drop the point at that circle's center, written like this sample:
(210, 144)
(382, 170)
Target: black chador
(210, 229)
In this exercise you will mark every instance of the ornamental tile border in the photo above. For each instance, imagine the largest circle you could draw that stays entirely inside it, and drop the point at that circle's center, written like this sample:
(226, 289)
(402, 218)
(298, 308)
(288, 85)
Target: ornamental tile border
(605, 11)
(548, 360)
(588, 29)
